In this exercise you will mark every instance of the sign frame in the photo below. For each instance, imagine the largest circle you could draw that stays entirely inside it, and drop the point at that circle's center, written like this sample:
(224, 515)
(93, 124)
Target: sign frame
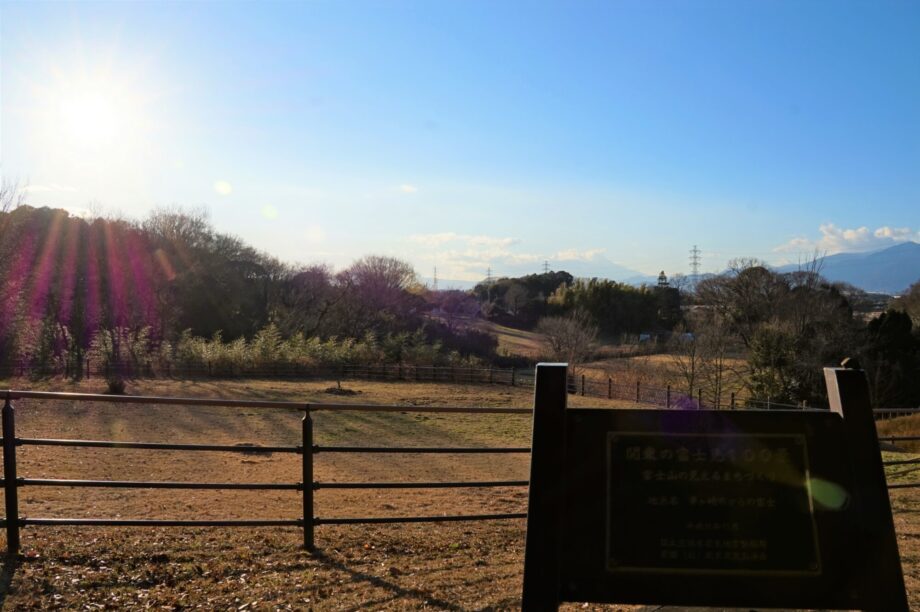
(567, 539)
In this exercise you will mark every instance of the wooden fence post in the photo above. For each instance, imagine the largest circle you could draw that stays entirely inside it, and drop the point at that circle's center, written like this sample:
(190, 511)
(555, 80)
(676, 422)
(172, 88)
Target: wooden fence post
(609, 387)
(546, 505)
(307, 479)
(512, 376)
(10, 490)
(582, 385)
(637, 391)
(668, 404)
(733, 400)
(699, 398)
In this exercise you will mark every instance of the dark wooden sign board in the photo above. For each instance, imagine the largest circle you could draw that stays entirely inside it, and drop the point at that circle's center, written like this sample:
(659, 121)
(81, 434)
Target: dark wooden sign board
(710, 508)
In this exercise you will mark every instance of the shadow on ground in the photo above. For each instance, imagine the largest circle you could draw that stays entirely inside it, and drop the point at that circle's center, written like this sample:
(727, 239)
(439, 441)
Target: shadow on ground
(397, 592)
(7, 571)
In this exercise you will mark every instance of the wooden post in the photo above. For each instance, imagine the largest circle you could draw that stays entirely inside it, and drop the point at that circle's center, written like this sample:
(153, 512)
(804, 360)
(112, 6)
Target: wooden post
(307, 479)
(668, 401)
(637, 391)
(733, 400)
(609, 387)
(546, 502)
(848, 396)
(582, 385)
(10, 489)
(699, 398)
(512, 376)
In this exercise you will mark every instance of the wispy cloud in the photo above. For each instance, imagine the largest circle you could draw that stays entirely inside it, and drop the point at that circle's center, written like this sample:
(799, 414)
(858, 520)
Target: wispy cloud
(468, 256)
(49, 188)
(835, 239)
(433, 240)
(480, 240)
(576, 255)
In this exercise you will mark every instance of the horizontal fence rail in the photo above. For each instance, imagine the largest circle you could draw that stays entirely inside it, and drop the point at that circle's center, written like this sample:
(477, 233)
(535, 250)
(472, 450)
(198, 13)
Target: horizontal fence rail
(372, 520)
(162, 522)
(421, 449)
(307, 487)
(585, 385)
(227, 448)
(147, 484)
(11, 483)
(420, 485)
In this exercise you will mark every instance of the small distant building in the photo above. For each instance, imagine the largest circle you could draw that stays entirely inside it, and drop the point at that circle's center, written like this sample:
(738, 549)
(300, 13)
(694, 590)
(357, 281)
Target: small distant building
(663, 279)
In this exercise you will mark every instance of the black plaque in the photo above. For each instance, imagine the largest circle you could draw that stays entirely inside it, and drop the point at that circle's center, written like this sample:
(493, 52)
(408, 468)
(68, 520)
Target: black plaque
(781, 508)
(704, 503)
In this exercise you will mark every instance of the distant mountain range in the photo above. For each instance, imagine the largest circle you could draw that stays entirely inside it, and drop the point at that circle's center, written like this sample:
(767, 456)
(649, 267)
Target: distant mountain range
(890, 270)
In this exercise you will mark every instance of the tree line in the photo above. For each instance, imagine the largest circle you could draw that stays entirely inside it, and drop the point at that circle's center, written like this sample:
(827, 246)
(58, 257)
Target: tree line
(772, 333)
(171, 286)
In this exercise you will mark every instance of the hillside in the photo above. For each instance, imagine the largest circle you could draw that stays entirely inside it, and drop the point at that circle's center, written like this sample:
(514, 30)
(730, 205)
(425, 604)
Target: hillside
(889, 270)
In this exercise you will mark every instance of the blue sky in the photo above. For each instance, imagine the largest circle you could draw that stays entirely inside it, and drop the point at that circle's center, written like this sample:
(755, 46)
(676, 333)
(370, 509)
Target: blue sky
(598, 136)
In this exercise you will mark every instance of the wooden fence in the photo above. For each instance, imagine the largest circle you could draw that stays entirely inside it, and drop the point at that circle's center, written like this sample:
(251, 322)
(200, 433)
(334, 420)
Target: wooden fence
(308, 450)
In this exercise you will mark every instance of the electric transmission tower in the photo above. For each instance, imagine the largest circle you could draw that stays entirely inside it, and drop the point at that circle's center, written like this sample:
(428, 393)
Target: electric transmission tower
(434, 284)
(545, 266)
(694, 264)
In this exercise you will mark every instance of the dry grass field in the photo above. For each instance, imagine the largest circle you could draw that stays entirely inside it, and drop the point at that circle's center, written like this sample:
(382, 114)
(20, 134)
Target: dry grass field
(452, 566)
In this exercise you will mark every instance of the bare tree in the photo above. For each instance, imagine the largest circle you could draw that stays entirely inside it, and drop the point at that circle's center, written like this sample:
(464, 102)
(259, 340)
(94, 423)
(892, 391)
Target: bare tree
(569, 338)
(515, 298)
(686, 355)
(454, 305)
(910, 303)
(12, 195)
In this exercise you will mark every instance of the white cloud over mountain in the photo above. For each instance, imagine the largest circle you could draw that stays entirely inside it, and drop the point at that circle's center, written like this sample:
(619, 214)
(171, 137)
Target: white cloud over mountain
(467, 257)
(835, 239)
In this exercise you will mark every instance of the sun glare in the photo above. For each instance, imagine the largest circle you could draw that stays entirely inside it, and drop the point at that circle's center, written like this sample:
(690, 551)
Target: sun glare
(91, 119)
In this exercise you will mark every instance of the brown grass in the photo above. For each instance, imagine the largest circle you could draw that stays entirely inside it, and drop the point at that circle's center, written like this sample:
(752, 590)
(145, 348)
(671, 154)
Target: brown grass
(513, 341)
(443, 566)
(903, 426)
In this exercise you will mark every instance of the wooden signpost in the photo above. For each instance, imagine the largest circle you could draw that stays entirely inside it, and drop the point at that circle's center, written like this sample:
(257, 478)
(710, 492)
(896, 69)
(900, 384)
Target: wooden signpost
(710, 508)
